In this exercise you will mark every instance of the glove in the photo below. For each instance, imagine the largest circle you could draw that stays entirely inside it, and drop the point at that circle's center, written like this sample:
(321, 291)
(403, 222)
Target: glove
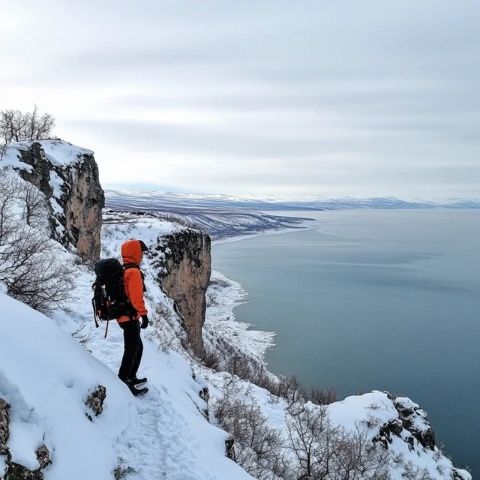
(144, 322)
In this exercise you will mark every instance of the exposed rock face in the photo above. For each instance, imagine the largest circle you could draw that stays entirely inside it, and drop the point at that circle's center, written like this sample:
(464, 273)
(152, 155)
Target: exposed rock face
(95, 401)
(75, 196)
(14, 470)
(411, 424)
(43, 456)
(184, 262)
(414, 419)
(229, 449)
(4, 426)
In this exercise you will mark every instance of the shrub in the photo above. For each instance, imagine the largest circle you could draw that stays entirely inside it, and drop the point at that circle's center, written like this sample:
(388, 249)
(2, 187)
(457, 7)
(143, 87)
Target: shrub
(28, 265)
(257, 445)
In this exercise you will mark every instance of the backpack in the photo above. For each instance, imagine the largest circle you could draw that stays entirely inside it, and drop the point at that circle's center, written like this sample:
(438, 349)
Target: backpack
(110, 300)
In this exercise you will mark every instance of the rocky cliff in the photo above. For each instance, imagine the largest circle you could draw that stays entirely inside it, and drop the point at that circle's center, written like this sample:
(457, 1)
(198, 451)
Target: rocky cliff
(183, 260)
(68, 176)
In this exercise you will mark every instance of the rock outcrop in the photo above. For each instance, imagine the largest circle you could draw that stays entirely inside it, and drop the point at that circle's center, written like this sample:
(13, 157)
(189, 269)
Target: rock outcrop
(73, 189)
(16, 471)
(4, 426)
(411, 424)
(183, 260)
(95, 399)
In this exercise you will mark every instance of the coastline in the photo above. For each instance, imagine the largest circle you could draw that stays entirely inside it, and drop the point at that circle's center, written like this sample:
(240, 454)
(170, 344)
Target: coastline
(305, 225)
(224, 295)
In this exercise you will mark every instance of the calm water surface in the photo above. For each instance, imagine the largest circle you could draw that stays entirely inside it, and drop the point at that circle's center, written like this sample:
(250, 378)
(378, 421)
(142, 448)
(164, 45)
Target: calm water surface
(374, 299)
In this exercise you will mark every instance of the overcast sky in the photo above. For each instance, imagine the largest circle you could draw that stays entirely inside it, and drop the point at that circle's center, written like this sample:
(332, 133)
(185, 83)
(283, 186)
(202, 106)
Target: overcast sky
(271, 98)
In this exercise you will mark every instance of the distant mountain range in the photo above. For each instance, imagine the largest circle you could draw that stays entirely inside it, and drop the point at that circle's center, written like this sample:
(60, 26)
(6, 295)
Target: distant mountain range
(151, 200)
(224, 216)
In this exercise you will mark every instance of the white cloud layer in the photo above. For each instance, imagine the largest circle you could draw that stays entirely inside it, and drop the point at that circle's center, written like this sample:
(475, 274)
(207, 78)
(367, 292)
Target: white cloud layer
(269, 98)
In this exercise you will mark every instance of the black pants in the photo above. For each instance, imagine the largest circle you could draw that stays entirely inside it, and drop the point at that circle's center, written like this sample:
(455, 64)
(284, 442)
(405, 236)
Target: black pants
(133, 349)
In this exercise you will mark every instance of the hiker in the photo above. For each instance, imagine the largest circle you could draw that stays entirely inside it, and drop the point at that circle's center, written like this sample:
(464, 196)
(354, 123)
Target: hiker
(132, 253)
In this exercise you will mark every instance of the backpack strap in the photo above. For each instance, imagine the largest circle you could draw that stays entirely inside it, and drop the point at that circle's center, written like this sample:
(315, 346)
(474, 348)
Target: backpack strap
(127, 266)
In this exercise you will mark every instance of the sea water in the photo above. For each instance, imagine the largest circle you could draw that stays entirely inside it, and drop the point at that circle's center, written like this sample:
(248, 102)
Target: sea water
(374, 299)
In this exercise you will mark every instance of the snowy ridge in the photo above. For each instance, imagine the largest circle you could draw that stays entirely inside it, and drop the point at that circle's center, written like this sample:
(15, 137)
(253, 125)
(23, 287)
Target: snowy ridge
(59, 152)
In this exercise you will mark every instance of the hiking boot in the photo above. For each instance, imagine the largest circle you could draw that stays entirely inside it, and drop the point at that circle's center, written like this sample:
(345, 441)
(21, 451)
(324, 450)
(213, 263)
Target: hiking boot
(131, 385)
(137, 391)
(139, 381)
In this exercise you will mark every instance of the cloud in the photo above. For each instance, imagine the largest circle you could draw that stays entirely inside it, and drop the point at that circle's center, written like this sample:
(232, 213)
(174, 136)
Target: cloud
(306, 97)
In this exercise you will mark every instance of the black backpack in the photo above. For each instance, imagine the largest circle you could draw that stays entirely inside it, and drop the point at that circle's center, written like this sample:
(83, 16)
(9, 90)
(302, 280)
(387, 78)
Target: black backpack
(109, 298)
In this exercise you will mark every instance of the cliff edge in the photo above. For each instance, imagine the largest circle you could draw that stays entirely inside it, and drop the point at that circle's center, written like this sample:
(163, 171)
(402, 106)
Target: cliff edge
(68, 177)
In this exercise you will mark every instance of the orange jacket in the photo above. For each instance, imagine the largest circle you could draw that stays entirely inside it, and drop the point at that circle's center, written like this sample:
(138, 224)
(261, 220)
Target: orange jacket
(132, 253)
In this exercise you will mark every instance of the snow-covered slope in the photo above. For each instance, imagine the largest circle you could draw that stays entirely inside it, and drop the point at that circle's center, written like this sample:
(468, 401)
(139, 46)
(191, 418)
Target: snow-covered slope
(45, 376)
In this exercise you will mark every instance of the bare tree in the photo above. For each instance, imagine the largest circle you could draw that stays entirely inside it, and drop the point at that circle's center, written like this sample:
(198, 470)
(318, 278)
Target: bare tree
(311, 438)
(322, 397)
(257, 445)
(33, 204)
(7, 204)
(31, 272)
(356, 457)
(16, 126)
(29, 267)
(412, 472)
(290, 389)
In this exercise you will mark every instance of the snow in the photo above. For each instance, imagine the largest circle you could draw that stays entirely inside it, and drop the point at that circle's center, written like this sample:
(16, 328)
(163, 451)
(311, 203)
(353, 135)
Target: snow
(11, 158)
(118, 227)
(62, 153)
(45, 376)
(56, 183)
(167, 435)
(162, 435)
(173, 404)
(357, 409)
(59, 152)
(223, 295)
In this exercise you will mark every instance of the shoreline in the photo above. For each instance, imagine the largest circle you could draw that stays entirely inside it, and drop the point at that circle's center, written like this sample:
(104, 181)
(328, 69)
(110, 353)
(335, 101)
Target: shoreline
(232, 294)
(305, 225)
(224, 295)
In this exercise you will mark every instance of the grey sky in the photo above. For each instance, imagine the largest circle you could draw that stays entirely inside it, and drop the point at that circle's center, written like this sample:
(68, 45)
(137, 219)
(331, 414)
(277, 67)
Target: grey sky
(286, 98)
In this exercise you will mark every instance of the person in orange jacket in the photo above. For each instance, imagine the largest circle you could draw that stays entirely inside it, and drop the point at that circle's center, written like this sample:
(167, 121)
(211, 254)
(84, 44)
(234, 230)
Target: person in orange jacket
(132, 255)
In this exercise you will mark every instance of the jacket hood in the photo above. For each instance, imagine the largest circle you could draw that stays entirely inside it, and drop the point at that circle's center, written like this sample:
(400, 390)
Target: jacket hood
(132, 252)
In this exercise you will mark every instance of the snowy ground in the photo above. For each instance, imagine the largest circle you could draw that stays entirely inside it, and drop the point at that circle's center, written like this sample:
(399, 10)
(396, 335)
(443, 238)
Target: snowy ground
(162, 435)
(223, 295)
